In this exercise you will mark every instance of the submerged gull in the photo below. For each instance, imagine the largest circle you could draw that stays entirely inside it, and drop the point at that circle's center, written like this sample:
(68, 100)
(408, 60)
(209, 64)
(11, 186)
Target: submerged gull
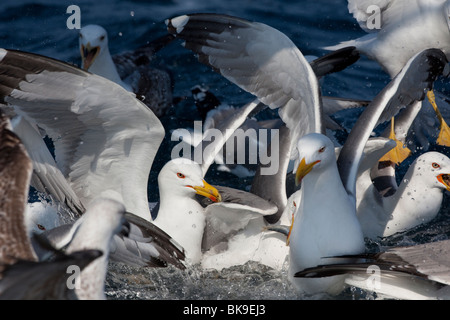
(201, 229)
(249, 54)
(417, 200)
(131, 70)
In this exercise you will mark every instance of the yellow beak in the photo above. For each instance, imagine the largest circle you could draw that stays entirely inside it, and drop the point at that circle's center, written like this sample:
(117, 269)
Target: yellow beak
(303, 169)
(208, 191)
(88, 55)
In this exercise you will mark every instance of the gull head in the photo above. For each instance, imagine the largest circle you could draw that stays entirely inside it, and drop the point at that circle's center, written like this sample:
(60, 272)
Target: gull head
(182, 177)
(315, 151)
(434, 170)
(93, 40)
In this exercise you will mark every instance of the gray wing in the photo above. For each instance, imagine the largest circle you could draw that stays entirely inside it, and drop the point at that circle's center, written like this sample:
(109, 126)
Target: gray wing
(409, 86)
(215, 138)
(260, 60)
(150, 245)
(272, 186)
(144, 245)
(233, 213)
(93, 121)
(151, 85)
(430, 261)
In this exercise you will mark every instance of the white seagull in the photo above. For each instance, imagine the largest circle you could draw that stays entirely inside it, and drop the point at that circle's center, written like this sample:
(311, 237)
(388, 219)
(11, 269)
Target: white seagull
(416, 200)
(131, 70)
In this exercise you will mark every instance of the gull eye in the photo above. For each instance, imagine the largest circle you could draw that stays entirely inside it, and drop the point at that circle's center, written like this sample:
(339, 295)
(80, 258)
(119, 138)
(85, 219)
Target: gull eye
(40, 227)
(435, 165)
(180, 175)
(321, 150)
(102, 38)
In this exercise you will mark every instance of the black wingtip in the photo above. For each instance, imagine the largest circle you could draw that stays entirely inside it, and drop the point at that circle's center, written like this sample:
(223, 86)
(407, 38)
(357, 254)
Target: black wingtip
(335, 61)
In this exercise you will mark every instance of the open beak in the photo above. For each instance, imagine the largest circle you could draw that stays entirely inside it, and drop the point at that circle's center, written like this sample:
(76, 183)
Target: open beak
(88, 55)
(303, 169)
(208, 191)
(445, 180)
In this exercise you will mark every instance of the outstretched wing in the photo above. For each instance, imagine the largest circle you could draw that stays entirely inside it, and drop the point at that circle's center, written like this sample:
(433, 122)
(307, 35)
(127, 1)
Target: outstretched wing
(260, 60)
(97, 126)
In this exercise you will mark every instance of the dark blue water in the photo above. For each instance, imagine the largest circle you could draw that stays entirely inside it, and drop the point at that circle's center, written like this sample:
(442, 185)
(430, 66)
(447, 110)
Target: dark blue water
(40, 27)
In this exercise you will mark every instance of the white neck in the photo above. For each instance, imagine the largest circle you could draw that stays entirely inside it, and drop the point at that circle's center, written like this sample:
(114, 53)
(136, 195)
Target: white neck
(184, 221)
(326, 226)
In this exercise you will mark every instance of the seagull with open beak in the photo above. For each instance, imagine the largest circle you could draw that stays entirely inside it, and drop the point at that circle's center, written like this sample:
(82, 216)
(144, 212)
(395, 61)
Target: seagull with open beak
(95, 55)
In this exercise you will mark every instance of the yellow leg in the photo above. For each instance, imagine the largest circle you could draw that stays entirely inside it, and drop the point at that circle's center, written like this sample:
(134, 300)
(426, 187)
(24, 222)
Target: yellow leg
(444, 133)
(398, 154)
(288, 239)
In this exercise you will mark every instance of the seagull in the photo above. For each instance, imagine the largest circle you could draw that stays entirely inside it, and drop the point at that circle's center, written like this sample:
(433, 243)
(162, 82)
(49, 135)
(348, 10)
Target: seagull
(264, 62)
(179, 212)
(93, 137)
(397, 30)
(203, 228)
(417, 200)
(22, 276)
(131, 70)
(411, 272)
